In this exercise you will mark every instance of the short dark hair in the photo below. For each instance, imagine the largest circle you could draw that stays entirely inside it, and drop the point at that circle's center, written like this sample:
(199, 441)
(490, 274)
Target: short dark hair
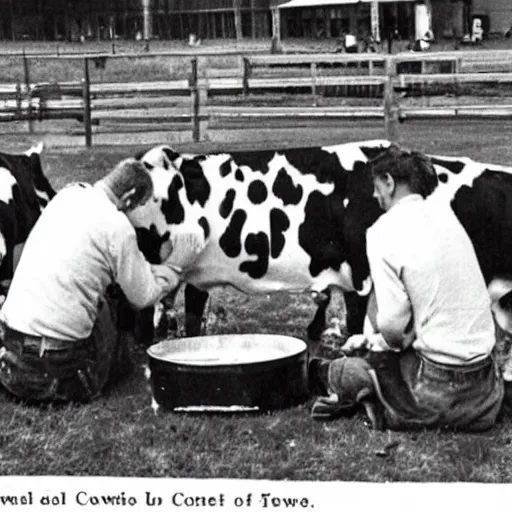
(130, 174)
(409, 167)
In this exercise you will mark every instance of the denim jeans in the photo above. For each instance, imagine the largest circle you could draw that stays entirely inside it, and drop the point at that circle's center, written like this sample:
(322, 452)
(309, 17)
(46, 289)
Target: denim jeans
(416, 392)
(74, 371)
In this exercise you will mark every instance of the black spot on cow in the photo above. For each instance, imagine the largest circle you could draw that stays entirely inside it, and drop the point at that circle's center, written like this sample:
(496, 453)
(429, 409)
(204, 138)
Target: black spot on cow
(230, 241)
(453, 166)
(256, 244)
(371, 152)
(325, 166)
(257, 192)
(285, 189)
(171, 207)
(255, 160)
(360, 213)
(197, 186)
(320, 235)
(150, 243)
(485, 211)
(226, 206)
(203, 222)
(171, 154)
(279, 223)
(239, 175)
(225, 168)
(148, 166)
(443, 177)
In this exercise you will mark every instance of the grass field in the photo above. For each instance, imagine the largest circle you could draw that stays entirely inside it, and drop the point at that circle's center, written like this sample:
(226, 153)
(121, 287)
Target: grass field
(120, 436)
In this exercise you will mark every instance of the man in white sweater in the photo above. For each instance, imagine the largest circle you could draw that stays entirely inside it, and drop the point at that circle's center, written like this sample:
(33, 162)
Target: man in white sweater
(432, 350)
(60, 336)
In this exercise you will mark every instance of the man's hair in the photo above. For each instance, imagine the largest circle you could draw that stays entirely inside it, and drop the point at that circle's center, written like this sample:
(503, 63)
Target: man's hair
(408, 167)
(130, 174)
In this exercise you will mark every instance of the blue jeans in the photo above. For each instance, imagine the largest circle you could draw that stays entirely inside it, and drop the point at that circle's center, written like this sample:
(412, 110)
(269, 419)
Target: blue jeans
(44, 370)
(415, 392)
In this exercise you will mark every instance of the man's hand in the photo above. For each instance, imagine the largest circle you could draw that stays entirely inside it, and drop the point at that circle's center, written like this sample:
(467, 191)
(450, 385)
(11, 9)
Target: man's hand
(355, 343)
(374, 342)
(186, 247)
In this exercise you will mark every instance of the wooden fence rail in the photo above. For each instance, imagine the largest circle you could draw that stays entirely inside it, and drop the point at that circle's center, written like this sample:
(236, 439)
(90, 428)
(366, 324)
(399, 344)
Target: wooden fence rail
(85, 100)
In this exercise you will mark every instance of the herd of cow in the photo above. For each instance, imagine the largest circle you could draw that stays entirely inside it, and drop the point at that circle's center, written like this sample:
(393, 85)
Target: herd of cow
(292, 220)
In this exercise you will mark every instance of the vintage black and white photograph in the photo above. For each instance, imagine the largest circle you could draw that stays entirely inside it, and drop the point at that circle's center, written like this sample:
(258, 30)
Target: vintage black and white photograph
(254, 241)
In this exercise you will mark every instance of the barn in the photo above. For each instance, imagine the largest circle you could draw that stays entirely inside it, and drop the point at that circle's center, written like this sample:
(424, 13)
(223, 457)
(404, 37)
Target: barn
(75, 20)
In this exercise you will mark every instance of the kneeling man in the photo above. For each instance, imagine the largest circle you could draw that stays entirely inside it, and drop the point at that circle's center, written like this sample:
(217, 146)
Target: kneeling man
(59, 325)
(432, 354)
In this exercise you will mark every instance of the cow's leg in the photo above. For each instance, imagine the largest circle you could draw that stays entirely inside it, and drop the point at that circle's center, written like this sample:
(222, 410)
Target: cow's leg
(317, 325)
(356, 311)
(195, 302)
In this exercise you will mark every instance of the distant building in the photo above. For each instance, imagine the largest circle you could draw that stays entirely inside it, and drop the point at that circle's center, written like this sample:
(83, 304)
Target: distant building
(75, 20)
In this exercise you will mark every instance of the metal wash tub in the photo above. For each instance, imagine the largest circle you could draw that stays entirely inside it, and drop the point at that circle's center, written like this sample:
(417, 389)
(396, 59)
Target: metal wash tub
(229, 372)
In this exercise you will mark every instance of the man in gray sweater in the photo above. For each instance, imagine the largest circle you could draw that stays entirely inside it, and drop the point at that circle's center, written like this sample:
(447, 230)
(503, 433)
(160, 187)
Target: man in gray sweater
(60, 336)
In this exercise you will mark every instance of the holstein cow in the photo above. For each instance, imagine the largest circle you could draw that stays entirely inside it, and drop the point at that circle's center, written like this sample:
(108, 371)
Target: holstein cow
(296, 219)
(24, 192)
(275, 221)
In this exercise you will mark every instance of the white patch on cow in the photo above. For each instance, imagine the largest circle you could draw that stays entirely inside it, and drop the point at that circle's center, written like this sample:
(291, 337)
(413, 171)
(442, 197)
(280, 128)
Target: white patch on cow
(329, 277)
(7, 182)
(346, 202)
(38, 148)
(42, 195)
(351, 152)
(445, 192)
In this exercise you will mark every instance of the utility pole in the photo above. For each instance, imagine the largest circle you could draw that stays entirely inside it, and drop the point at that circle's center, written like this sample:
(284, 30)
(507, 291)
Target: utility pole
(237, 12)
(276, 29)
(146, 15)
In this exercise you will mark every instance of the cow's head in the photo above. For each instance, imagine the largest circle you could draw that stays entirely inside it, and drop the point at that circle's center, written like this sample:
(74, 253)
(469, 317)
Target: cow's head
(180, 191)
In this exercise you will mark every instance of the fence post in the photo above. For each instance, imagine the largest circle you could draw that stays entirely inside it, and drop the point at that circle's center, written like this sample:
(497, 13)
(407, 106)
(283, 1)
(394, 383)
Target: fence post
(194, 89)
(390, 106)
(246, 75)
(26, 69)
(313, 82)
(87, 104)
(19, 101)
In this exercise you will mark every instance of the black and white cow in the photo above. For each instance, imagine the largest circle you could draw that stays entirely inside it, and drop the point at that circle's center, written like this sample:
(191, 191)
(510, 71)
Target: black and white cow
(24, 192)
(296, 219)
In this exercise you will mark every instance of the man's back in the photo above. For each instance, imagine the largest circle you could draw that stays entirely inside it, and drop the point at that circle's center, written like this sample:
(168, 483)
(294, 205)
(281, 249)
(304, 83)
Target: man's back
(66, 265)
(428, 250)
